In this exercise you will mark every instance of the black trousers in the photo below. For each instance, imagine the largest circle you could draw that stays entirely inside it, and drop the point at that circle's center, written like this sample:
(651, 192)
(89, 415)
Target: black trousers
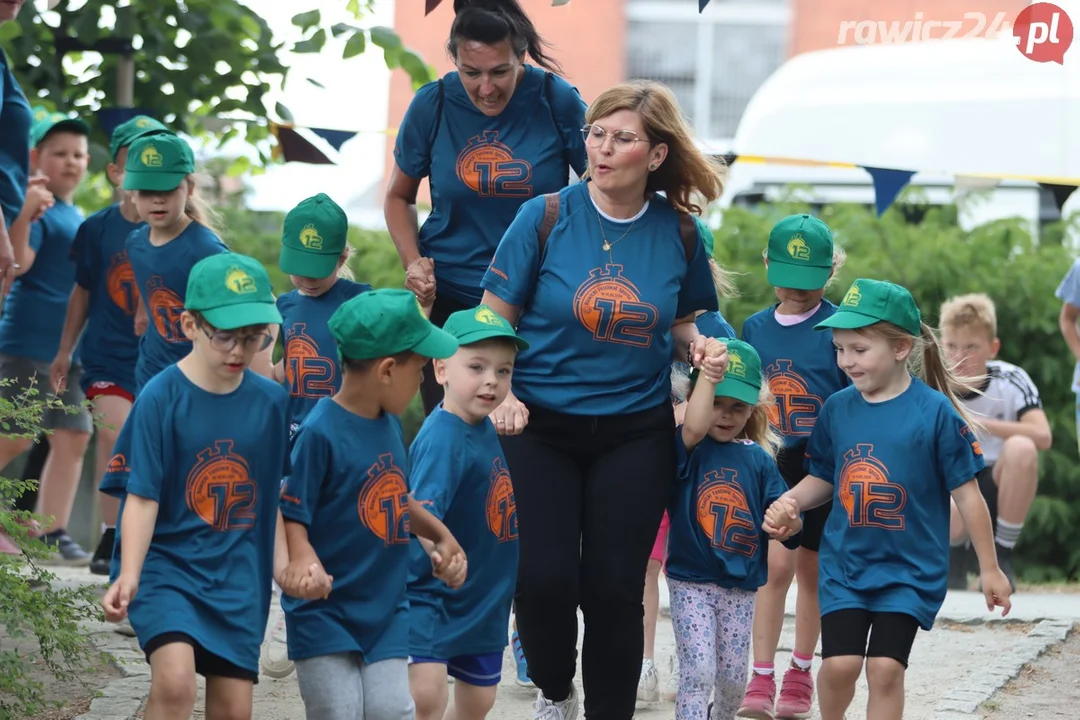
(35, 463)
(431, 392)
(590, 494)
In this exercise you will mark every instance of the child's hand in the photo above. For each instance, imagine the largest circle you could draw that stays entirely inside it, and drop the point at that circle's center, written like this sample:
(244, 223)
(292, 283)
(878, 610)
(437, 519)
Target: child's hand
(448, 563)
(996, 589)
(306, 580)
(38, 198)
(782, 519)
(119, 596)
(714, 364)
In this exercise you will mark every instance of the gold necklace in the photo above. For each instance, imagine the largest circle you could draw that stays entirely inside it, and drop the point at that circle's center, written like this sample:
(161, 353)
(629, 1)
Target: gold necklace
(607, 244)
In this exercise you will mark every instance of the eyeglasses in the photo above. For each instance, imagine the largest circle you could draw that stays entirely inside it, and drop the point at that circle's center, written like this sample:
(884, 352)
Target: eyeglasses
(224, 342)
(621, 140)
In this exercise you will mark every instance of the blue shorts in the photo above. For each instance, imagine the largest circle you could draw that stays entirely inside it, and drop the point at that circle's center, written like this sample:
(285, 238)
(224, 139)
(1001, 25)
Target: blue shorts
(480, 670)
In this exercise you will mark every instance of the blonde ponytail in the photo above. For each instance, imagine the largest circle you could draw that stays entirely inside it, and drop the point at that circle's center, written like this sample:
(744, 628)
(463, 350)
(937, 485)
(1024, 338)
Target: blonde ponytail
(200, 211)
(345, 272)
(758, 428)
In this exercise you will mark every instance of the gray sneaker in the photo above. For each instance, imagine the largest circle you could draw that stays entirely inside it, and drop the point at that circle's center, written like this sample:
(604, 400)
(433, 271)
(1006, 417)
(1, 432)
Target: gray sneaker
(544, 709)
(65, 550)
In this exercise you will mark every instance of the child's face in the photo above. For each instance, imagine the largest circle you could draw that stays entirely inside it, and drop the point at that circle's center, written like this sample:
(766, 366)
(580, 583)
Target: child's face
(970, 348)
(163, 210)
(63, 157)
(401, 382)
(477, 378)
(314, 287)
(729, 418)
(797, 302)
(870, 361)
(226, 353)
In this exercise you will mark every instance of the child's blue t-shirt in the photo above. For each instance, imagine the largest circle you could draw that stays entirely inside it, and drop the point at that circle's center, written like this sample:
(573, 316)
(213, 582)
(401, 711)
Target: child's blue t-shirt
(598, 323)
(15, 121)
(35, 309)
(481, 169)
(715, 325)
(716, 512)
(162, 274)
(310, 357)
(109, 347)
(215, 478)
(894, 463)
(460, 475)
(348, 486)
(1069, 291)
(799, 364)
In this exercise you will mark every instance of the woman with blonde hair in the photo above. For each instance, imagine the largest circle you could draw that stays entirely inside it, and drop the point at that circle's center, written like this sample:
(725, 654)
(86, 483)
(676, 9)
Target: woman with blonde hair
(604, 279)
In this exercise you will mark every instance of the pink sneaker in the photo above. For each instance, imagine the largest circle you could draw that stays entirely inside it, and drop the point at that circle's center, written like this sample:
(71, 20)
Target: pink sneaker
(796, 695)
(758, 700)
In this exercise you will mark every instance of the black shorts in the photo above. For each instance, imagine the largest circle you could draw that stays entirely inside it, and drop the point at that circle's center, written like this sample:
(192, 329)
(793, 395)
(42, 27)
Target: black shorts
(207, 663)
(844, 632)
(790, 463)
(989, 491)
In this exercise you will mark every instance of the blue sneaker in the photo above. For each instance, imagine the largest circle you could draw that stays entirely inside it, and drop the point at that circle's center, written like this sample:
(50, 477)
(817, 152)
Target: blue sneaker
(519, 658)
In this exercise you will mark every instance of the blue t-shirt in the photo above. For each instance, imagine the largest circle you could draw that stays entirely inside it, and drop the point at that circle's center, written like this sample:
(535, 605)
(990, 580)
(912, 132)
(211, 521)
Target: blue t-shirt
(310, 355)
(162, 274)
(1069, 292)
(799, 364)
(459, 473)
(716, 513)
(885, 547)
(348, 487)
(15, 120)
(598, 323)
(482, 168)
(34, 311)
(109, 347)
(215, 478)
(715, 325)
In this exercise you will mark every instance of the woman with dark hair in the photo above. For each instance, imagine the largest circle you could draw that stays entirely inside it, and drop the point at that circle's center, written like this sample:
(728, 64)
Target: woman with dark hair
(488, 136)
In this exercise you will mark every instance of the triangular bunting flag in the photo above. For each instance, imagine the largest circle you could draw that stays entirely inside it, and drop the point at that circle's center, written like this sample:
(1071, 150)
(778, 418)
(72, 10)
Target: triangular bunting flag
(293, 147)
(557, 3)
(336, 138)
(430, 5)
(973, 183)
(702, 4)
(111, 118)
(1060, 193)
(730, 158)
(887, 185)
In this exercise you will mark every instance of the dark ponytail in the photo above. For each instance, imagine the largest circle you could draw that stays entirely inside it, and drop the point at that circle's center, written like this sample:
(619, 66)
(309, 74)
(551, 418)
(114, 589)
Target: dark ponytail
(492, 21)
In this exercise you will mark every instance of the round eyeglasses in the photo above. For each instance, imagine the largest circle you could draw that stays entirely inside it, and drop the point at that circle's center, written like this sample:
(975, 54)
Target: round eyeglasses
(621, 140)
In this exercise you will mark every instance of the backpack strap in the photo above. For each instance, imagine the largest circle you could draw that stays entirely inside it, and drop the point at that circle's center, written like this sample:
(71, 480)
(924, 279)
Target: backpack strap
(438, 116)
(551, 216)
(689, 235)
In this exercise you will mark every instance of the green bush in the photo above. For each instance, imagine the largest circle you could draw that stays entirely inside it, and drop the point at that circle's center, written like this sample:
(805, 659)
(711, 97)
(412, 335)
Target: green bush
(936, 259)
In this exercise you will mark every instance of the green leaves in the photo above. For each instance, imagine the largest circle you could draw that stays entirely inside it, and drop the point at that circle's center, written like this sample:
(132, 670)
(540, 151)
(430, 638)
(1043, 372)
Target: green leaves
(307, 20)
(355, 45)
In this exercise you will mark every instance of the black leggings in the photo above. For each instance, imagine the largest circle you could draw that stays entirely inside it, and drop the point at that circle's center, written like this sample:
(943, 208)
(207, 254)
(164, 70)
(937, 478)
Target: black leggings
(590, 494)
(431, 392)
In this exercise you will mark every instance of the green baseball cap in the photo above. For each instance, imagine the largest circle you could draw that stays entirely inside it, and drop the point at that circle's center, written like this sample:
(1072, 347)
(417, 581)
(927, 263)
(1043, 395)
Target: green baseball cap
(158, 163)
(742, 380)
(800, 253)
(481, 323)
(381, 323)
(313, 238)
(870, 301)
(231, 291)
(706, 235)
(44, 122)
(130, 131)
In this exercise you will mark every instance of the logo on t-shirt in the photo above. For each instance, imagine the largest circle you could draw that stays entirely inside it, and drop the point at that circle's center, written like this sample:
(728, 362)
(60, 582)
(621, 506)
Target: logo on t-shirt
(610, 307)
(489, 167)
(501, 508)
(309, 373)
(120, 283)
(220, 490)
(384, 502)
(868, 495)
(724, 515)
(973, 440)
(165, 308)
(796, 409)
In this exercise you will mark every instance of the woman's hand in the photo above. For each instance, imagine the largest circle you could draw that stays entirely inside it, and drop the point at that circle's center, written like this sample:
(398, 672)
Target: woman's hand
(58, 372)
(420, 280)
(511, 417)
(715, 360)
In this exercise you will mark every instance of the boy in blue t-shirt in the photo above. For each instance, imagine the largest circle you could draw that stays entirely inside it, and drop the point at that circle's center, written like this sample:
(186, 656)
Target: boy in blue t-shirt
(33, 319)
(200, 531)
(347, 508)
(460, 475)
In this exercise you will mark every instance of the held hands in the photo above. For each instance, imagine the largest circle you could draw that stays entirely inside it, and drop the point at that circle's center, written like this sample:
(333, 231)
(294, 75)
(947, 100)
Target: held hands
(38, 198)
(118, 597)
(420, 280)
(448, 562)
(996, 589)
(782, 519)
(710, 356)
(306, 580)
(511, 417)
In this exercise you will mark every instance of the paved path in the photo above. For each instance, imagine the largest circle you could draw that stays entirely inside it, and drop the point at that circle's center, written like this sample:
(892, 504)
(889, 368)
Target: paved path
(962, 662)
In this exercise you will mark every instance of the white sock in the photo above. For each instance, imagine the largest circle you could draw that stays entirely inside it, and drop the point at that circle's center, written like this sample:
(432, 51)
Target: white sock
(1007, 533)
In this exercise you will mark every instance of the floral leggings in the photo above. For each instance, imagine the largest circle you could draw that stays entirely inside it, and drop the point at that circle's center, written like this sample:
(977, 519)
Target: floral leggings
(712, 639)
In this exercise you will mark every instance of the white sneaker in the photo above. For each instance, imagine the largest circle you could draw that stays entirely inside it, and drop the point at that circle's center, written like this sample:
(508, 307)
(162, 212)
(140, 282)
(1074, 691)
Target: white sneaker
(544, 709)
(124, 628)
(671, 688)
(274, 654)
(648, 686)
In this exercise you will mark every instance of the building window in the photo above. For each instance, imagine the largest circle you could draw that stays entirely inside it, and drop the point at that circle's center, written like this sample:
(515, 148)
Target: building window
(714, 61)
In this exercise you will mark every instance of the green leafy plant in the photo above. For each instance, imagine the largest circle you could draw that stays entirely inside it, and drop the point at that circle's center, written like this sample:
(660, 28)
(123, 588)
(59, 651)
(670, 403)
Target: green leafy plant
(31, 608)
